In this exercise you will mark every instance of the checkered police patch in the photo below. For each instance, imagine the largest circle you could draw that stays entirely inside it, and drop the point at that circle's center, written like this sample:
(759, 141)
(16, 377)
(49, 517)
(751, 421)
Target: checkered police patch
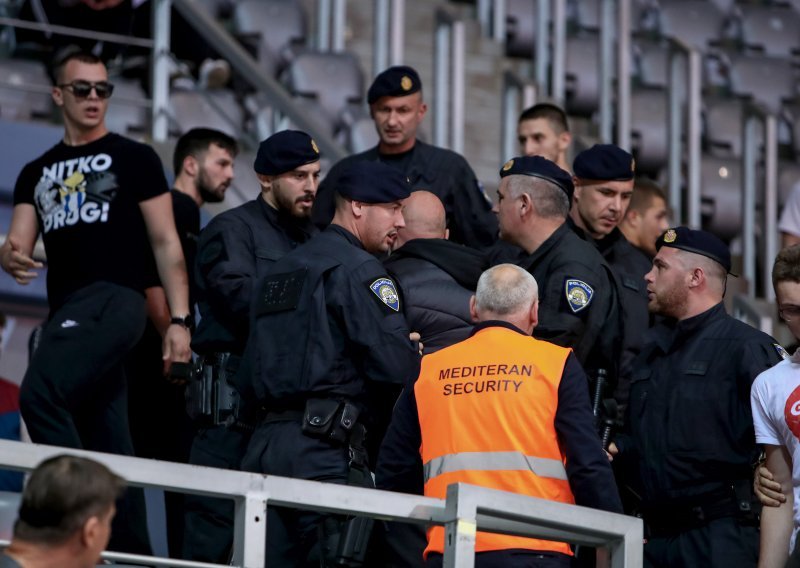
(579, 294)
(386, 292)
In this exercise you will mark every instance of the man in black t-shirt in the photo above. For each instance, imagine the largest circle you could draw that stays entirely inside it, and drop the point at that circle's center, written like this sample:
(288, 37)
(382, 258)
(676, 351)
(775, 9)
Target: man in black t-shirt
(160, 428)
(99, 200)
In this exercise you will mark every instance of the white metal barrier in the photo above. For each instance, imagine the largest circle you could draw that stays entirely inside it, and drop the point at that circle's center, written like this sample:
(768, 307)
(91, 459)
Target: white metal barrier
(466, 509)
(448, 81)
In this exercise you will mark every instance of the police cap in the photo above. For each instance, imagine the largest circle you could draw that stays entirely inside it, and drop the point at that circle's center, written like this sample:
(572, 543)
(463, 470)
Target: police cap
(284, 151)
(605, 162)
(397, 81)
(373, 182)
(539, 167)
(698, 242)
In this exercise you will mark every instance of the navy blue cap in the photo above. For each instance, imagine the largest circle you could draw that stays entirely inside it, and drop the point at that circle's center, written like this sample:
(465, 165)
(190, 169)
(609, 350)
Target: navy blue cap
(373, 182)
(536, 166)
(698, 242)
(397, 81)
(604, 162)
(284, 151)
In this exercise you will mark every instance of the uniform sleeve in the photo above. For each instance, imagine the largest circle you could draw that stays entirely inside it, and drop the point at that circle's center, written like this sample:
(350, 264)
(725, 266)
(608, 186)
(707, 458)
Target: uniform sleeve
(226, 267)
(399, 463)
(790, 216)
(473, 222)
(378, 326)
(588, 469)
(759, 402)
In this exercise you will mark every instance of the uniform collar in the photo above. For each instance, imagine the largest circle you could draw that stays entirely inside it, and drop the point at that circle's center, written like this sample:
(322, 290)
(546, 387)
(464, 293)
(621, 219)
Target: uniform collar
(344, 233)
(549, 243)
(672, 333)
(496, 323)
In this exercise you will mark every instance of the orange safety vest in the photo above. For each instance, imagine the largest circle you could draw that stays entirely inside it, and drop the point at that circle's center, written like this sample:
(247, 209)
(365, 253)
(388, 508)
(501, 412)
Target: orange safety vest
(487, 408)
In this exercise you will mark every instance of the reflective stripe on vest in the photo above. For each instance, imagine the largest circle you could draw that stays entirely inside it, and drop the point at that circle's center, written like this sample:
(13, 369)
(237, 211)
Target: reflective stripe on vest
(494, 461)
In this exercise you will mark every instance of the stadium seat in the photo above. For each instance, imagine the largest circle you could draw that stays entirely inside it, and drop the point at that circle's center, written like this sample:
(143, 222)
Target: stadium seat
(649, 139)
(721, 183)
(652, 63)
(210, 109)
(768, 29)
(694, 22)
(723, 126)
(9, 505)
(123, 115)
(333, 81)
(16, 104)
(520, 28)
(271, 28)
(582, 71)
(768, 80)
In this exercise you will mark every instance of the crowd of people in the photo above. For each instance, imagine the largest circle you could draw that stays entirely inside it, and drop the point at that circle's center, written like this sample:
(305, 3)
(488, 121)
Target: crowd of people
(393, 326)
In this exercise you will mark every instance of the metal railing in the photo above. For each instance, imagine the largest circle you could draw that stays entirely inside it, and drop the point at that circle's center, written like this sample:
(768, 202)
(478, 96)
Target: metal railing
(466, 509)
(759, 126)
(331, 17)
(448, 81)
(388, 42)
(615, 63)
(685, 84)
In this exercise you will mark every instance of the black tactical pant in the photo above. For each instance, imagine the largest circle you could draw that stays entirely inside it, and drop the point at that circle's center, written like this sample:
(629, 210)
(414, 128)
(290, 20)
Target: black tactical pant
(514, 558)
(722, 543)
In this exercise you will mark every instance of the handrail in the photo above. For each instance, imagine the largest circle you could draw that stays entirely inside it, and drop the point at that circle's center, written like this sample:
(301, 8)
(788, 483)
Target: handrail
(466, 508)
(542, 56)
(756, 116)
(686, 85)
(387, 38)
(331, 16)
(518, 94)
(76, 32)
(624, 74)
(247, 67)
(448, 81)
(559, 51)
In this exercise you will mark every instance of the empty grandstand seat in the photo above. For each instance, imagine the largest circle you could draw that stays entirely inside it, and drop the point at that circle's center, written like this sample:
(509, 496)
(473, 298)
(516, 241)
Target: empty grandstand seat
(125, 115)
(582, 80)
(520, 28)
(649, 140)
(768, 80)
(694, 22)
(9, 505)
(723, 126)
(788, 177)
(652, 63)
(360, 135)
(333, 80)
(721, 183)
(209, 109)
(271, 27)
(16, 104)
(772, 30)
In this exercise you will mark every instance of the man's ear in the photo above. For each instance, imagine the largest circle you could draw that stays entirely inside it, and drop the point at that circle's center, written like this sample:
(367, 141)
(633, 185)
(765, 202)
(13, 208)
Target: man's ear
(58, 96)
(473, 311)
(564, 140)
(535, 313)
(447, 234)
(265, 181)
(90, 531)
(190, 165)
(525, 205)
(357, 207)
(423, 109)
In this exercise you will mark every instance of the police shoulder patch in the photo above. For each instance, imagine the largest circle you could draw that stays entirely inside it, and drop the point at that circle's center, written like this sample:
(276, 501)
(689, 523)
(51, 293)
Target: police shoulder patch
(386, 292)
(579, 294)
(781, 351)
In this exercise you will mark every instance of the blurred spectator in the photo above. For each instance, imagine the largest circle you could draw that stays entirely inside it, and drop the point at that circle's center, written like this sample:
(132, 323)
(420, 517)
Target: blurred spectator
(647, 217)
(65, 515)
(10, 427)
(789, 224)
(543, 130)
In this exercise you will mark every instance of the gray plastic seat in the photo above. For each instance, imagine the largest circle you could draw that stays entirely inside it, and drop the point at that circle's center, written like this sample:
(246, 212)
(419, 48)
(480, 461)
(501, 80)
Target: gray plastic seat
(652, 58)
(123, 115)
(723, 126)
(582, 81)
(205, 109)
(772, 30)
(768, 80)
(694, 22)
(333, 80)
(721, 182)
(16, 104)
(520, 28)
(649, 128)
(273, 27)
(9, 506)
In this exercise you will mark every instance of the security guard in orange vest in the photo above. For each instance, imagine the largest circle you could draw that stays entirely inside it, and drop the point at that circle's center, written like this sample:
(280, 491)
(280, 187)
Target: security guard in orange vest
(502, 410)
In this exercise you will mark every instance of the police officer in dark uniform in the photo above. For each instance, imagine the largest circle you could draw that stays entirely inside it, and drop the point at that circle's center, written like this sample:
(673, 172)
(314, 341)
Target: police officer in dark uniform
(237, 247)
(579, 307)
(689, 443)
(327, 329)
(604, 186)
(396, 106)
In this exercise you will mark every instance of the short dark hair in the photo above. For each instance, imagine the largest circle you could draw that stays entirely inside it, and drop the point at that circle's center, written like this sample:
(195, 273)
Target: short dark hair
(644, 191)
(196, 141)
(62, 493)
(553, 113)
(787, 265)
(73, 55)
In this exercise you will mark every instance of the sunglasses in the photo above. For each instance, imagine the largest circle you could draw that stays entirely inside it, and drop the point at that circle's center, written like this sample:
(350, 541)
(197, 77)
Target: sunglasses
(82, 89)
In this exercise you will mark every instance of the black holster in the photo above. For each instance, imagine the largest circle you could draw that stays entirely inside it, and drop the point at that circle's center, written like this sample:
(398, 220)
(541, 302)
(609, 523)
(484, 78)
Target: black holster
(211, 399)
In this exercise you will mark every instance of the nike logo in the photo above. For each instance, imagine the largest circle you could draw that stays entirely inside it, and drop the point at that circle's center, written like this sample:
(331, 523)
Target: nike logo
(69, 323)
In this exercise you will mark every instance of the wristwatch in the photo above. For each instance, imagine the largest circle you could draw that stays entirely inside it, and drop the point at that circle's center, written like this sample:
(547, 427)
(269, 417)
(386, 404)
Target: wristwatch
(186, 321)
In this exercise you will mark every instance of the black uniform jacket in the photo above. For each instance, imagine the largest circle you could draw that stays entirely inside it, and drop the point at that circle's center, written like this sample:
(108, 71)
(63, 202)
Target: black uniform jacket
(578, 302)
(235, 248)
(327, 320)
(437, 278)
(689, 429)
(440, 171)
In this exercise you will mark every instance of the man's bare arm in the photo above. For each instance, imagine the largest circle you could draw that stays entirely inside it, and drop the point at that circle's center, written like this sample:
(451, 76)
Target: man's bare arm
(776, 522)
(16, 254)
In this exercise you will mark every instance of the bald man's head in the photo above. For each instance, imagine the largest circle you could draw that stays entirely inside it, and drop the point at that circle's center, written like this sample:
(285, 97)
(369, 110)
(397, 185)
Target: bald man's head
(425, 218)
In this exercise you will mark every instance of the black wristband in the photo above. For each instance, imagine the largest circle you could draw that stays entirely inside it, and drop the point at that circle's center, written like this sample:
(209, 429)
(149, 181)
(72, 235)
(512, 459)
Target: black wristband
(186, 321)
